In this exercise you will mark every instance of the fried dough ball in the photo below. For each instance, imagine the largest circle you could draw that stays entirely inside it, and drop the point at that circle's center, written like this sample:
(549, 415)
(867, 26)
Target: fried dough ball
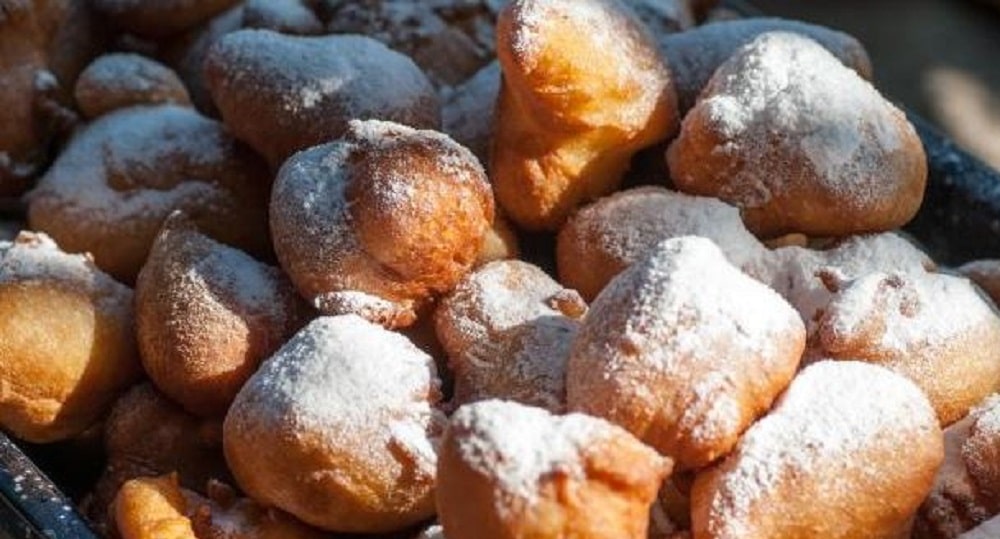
(986, 275)
(509, 470)
(967, 488)
(158, 508)
(507, 329)
(604, 238)
(281, 94)
(800, 143)
(116, 81)
(381, 221)
(933, 328)
(695, 55)
(849, 451)
(684, 351)
(574, 106)
(43, 46)
(338, 428)
(68, 347)
(118, 179)
(160, 18)
(207, 315)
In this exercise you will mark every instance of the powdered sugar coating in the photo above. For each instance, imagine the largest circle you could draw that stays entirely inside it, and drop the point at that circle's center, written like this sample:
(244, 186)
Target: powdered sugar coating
(507, 329)
(797, 273)
(519, 446)
(306, 89)
(901, 314)
(687, 334)
(345, 388)
(34, 258)
(695, 55)
(432, 532)
(787, 90)
(835, 417)
(347, 376)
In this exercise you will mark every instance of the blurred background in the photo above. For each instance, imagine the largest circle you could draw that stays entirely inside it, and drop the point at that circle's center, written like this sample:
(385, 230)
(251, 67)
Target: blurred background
(940, 58)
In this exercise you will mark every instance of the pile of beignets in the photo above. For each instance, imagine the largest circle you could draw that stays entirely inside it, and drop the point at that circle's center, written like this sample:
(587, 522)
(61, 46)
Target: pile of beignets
(483, 269)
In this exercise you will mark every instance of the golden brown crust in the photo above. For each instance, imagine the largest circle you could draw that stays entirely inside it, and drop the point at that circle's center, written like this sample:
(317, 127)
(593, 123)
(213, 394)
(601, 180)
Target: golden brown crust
(115, 81)
(602, 487)
(207, 315)
(826, 462)
(398, 217)
(68, 346)
(803, 146)
(282, 94)
(684, 351)
(567, 123)
(114, 184)
(152, 508)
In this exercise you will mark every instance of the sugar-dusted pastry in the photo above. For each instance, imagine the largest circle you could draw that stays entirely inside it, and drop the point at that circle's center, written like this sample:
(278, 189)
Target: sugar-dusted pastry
(186, 54)
(800, 143)
(933, 328)
(120, 80)
(339, 428)
(507, 329)
(574, 106)
(509, 470)
(606, 237)
(160, 18)
(281, 94)
(381, 221)
(849, 451)
(118, 179)
(684, 351)
(68, 347)
(207, 315)
(694, 55)
(967, 488)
